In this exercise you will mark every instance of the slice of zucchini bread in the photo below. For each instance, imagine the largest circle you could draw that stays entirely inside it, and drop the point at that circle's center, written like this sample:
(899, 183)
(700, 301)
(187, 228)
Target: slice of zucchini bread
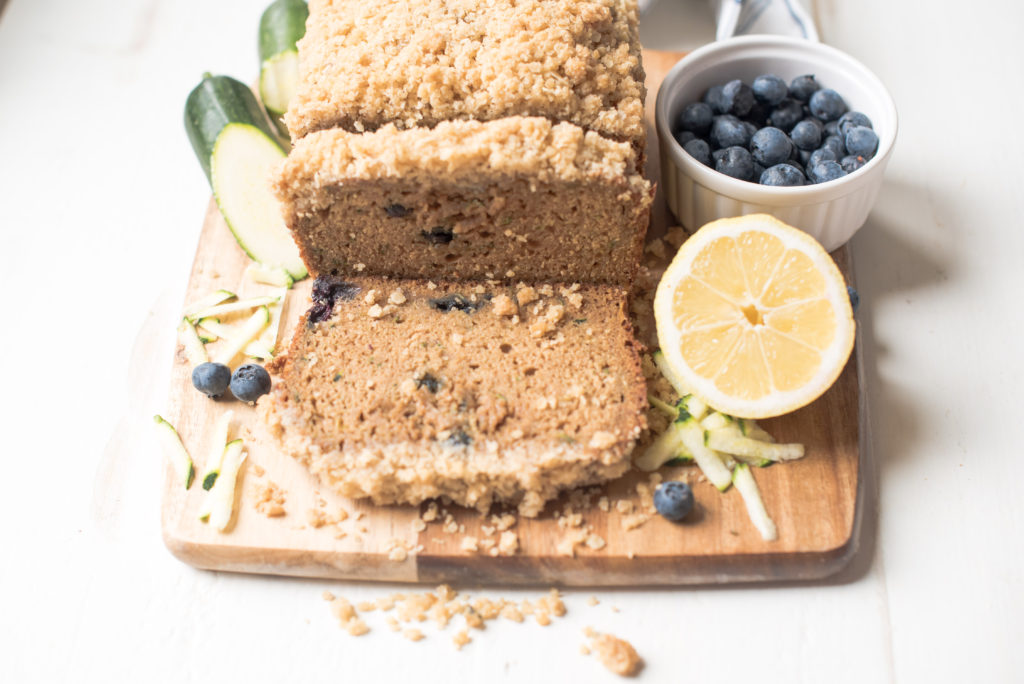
(515, 199)
(420, 62)
(403, 390)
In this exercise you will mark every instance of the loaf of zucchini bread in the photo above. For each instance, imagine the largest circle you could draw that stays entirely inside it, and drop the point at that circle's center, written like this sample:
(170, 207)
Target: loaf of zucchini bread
(517, 198)
(402, 390)
(420, 62)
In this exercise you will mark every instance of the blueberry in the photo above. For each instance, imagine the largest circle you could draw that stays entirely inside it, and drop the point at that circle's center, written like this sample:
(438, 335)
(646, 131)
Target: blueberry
(783, 174)
(770, 146)
(673, 500)
(796, 165)
(250, 382)
(802, 87)
(458, 438)
(806, 135)
(854, 298)
(716, 155)
(851, 163)
(751, 129)
(832, 128)
(736, 162)
(326, 291)
(820, 155)
(330, 289)
(851, 119)
(758, 114)
(794, 153)
(758, 170)
(699, 150)
(455, 302)
(827, 104)
(739, 96)
(395, 210)
(825, 171)
(716, 100)
(429, 381)
(861, 141)
(683, 137)
(769, 89)
(438, 235)
(786, 115)
(835, 143)
(727, 131)
(211, 378)
(817, 122)
(696, 118)
(805, 157)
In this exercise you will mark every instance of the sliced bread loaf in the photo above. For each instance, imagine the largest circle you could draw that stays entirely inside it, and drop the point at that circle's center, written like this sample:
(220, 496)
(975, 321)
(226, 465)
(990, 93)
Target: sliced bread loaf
(515, 199)
(403, 390)
(416, 63)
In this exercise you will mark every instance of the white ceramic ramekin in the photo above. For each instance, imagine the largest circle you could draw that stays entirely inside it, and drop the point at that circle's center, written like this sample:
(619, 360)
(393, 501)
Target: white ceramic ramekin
(831, 212)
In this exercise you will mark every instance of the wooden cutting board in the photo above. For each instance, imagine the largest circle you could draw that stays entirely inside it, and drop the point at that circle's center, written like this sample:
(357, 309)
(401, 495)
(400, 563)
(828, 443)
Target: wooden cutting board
(814, 501)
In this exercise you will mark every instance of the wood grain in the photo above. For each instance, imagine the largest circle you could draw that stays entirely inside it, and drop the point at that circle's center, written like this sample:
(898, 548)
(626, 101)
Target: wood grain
(814, 501)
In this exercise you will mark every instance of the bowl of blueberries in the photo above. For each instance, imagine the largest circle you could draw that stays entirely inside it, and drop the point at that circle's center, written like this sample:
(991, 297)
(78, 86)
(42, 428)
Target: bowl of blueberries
(776, 125)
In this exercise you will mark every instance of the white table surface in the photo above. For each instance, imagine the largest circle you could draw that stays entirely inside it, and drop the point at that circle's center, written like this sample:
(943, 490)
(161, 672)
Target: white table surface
(101, 202)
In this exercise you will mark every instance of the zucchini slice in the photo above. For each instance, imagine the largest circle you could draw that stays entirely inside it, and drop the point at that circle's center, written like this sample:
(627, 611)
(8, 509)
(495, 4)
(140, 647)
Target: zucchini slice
(668, 446)
(731, 441)
(234, 307)
(265, 345)
(267, 275)
(213, 299)
(747, 487)
(246, 334)
(709, 461)
(281, 26)
(216, 453)
(219, 503)
(170, 444)
(195, 351)
(237, 148)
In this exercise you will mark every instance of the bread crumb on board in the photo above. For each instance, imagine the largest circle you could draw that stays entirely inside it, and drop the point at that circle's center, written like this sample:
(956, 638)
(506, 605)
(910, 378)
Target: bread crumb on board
(270, 500)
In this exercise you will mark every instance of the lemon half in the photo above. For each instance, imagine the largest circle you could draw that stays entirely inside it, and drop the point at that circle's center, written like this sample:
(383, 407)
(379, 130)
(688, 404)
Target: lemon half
(754, 317)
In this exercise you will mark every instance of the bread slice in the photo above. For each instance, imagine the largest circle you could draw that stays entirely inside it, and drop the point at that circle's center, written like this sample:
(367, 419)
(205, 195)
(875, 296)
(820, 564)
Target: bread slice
(515, 199)
(416, 63)
(402, 391)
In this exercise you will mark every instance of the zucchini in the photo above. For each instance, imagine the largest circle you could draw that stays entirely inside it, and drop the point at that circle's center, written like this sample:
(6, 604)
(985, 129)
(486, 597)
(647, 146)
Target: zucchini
(235, 307)
(216, 454)
(170, 444)
(667, 447)
(266, 275)
(263, 346)
(709, 461)
(731, 441)
(195, 351)
(666, 408)
(213, 299)
(237, 148)
(747, 487)
(281, 26)
(248, 332)
(219, 503)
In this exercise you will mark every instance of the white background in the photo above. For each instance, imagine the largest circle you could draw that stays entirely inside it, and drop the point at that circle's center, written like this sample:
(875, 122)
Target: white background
(101, 201)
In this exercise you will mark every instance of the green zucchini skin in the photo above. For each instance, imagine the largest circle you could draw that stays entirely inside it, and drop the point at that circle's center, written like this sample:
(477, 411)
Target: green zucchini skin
(281, 26)
(212, 105)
